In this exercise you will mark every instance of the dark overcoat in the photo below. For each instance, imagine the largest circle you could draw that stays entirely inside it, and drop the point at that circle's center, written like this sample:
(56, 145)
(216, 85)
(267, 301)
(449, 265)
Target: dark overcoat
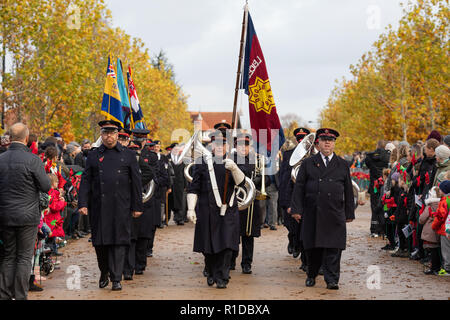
(111, 189)
(179, 184)
(285, 190)
(213, 232)
(151, 217)
(324, 198)
(250, 215)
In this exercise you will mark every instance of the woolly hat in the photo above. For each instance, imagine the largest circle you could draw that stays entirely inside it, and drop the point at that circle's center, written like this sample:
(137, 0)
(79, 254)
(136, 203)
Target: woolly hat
(435, 135)
(447, 139)
(389, 146)
(395, 176)
(442, 152)
(445, 186)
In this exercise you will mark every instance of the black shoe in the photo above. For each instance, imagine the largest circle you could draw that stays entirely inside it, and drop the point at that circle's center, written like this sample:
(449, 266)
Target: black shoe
(210, 281)
(233, 267)
(431, 271)
(332, 286)
(116, 286)
(265, 225)
(290, 249)
(388, 247)
(127, 277)
(80, 234)
(247, 269)
(74, 237)
(139, 272)
(150, 253)
(321, 271)
(104, 281)
(220, 284)
(296, 253)
(34, 286)
(310, 282)
(304, 267)
(273, 228)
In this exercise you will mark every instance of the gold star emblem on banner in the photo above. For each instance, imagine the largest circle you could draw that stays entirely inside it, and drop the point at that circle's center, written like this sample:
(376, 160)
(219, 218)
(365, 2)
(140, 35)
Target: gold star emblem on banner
(260, 94)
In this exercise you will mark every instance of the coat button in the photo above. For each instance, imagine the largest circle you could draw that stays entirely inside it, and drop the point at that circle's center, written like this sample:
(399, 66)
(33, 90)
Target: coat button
(329, 194)
(118, 171)
(320, 180)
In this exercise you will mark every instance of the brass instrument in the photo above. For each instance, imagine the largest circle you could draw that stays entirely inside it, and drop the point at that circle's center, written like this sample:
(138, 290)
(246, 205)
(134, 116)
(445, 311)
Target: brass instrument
(260, 166)
(244, 195)
(303, 150)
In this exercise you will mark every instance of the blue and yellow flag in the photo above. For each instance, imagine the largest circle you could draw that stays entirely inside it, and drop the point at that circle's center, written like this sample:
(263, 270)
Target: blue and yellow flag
(126, 109)
(111, 105)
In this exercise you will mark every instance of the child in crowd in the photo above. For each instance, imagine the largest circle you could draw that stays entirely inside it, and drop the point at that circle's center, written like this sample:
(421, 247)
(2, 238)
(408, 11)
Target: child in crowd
(52, 216)
(399, 191)
(439, 224)
(389, 207)
(429, 236)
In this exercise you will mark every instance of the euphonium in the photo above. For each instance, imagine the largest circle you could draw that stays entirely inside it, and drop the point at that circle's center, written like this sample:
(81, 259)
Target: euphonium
(244, 195)
(304, 149)
(261, 166)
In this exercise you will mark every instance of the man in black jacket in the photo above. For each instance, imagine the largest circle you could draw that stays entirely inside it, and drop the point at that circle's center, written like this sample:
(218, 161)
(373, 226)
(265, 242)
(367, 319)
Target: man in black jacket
(323, 199)
(376, 161)
(22, 176)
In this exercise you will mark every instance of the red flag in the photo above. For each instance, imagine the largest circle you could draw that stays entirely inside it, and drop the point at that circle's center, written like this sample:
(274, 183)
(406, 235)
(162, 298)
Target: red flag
(262, 110)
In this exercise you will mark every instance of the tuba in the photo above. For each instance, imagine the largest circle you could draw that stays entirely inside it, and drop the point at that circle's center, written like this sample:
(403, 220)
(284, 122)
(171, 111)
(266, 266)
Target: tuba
(303, 150)
(194, 149)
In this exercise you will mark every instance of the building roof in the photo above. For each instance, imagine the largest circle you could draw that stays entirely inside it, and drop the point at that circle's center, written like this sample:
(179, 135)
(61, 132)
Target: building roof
(209, 119)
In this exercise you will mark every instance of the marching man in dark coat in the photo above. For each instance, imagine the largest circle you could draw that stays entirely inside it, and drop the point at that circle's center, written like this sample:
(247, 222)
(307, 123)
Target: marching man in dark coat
(250, 218)
(217, 224)
(323, 199)
(111, 193)
(295, 246)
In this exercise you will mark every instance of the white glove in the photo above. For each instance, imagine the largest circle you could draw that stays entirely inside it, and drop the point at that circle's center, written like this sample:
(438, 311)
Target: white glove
(386, 215)
(191, 203)
(237, 174)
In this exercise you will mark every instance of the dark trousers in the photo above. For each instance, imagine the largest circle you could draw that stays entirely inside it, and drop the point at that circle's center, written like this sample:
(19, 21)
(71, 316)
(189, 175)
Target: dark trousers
(248, 244)
(401, 236)
(16, 267)
(329, 258)
(375, 219)
(218, 265)
(135, 256)
(111, 259)
(390, 232)
(151, 240)
(435, 259)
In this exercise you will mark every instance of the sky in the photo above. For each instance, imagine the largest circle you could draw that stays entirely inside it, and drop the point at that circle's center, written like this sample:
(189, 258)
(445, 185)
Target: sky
(307, 45)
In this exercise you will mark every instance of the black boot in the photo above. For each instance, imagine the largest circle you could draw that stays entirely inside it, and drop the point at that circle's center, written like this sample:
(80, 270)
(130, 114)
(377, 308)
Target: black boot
(34, 286)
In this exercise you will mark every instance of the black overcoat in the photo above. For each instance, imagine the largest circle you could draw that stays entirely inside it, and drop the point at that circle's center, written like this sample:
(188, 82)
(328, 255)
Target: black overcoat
(247, 167)
(179, 184)
(213, 232)
(151, 217)
(324, 198)
(111, 189)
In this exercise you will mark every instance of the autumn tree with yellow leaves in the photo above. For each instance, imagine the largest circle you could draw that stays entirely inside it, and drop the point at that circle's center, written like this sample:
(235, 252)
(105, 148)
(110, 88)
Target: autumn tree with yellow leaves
(400, 89)
(57, 51)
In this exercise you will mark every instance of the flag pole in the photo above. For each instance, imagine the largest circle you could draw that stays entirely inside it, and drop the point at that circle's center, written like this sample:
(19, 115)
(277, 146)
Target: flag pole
(236, 92)
(240, 65)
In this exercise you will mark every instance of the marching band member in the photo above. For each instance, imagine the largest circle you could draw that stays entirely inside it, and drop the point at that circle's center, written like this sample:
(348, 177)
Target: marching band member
(286, 187)
(217, 224)
(323, 199)
(250, 218)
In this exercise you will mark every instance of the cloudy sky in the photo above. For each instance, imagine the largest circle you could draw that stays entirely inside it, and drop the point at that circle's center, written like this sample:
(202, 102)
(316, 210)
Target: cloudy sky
(307, 44)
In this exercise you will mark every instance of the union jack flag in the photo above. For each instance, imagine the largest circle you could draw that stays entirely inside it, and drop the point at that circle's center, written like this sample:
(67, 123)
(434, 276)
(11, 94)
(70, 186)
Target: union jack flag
(111, 72)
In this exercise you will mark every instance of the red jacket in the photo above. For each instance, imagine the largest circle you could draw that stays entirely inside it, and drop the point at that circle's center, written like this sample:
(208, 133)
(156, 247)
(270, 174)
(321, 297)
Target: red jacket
(440, 216)
(52, 216)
